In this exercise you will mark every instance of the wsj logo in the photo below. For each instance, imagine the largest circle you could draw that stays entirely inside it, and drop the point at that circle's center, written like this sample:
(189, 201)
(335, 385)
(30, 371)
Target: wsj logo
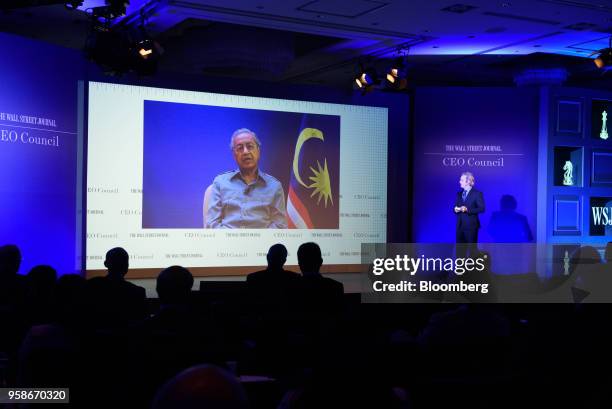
(602, 216)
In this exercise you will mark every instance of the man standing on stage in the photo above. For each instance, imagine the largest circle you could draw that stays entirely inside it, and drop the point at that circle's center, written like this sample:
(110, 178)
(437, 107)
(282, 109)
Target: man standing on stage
(468, 204)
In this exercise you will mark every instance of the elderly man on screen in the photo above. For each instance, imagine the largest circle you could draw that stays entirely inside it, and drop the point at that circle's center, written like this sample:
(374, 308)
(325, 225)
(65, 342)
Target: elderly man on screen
(245, 198)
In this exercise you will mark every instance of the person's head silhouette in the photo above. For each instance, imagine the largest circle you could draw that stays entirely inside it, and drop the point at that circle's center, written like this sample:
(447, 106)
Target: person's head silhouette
(117, 262)
(277, 255)
(309, 258)
(174, 285)
(10, 260)
(203, 386)
(42, 276)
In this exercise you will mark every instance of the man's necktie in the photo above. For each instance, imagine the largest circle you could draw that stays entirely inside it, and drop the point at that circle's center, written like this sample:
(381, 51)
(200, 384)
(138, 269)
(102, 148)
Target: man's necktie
(464, 195)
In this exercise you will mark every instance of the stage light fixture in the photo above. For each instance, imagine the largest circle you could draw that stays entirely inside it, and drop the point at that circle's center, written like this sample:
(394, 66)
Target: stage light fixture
(73, 5)
(118, 8)
(392, 75)
(146, 57)
(366, 78)
(146, 52)
(112, 10)
(110, 49)
(604, 59)
(395, 78)
(147, 48)
(119, 49)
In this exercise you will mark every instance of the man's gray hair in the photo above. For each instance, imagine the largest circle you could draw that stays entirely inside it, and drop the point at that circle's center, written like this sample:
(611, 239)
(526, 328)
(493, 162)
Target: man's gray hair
(470, 177)
(244, 130)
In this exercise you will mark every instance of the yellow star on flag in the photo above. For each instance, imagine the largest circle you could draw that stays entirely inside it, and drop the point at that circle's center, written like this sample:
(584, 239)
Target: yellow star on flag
(321, 185)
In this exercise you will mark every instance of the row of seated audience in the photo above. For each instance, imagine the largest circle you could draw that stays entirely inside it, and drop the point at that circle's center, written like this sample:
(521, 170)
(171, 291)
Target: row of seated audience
(312, 345)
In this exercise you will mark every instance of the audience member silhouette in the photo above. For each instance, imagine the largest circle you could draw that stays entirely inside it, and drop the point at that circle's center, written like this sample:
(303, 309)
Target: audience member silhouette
(42, 276)
(70, 300)
(345, 382)
(174, 286)
(203, 386)
(13, 323)
(51, 352)
(320, 293)
(274, 286)
(117, 263)
(175, 336)
(40, 294)
(112, 297)
(274, 299)
(12, 285)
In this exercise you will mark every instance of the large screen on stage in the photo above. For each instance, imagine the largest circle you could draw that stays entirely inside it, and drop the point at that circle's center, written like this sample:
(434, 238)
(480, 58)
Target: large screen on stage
(164, 179)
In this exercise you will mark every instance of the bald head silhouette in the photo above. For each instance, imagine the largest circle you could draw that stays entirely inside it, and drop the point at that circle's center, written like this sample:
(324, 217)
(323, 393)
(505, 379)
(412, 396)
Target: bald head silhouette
(117, 262)
(10, 260)
(202, 387)
(277, 255)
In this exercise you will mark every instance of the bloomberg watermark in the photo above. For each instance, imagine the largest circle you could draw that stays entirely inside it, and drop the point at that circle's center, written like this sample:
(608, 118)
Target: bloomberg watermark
(491, 272)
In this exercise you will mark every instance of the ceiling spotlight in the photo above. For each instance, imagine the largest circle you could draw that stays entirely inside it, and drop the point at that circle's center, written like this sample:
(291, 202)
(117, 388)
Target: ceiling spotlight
(604, 59)
(396, 77)
(147, 58)
(112, 10)
(396, 74)
(109, 49)
(118, 8)
(392, 75)
(148, 48)
(366, 78)
(73, 5)
(120, 49)
(146, 52)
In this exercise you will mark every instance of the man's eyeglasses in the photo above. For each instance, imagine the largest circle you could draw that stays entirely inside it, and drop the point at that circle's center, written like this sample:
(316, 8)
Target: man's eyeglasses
(250, 147)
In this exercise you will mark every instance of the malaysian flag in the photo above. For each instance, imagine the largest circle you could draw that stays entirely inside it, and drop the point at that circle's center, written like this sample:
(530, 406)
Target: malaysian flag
(313, 201)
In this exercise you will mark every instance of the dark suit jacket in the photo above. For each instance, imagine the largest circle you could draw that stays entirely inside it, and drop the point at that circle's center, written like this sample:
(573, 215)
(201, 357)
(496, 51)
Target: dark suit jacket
(322, 293)
(116, 301)
(273, 288)
(475, 205)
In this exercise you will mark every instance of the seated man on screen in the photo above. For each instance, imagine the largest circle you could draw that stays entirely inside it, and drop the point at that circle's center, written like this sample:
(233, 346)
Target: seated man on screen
(247, 197)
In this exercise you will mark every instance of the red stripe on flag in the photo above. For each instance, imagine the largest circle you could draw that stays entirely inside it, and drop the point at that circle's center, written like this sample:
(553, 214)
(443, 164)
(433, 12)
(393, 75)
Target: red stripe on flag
(299, 206)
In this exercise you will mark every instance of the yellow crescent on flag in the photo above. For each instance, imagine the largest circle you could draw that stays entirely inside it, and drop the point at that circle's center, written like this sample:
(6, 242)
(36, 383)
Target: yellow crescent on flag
(321, 184)
(306, 134)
